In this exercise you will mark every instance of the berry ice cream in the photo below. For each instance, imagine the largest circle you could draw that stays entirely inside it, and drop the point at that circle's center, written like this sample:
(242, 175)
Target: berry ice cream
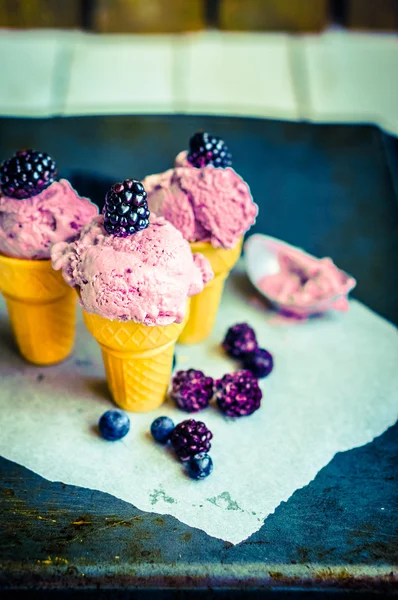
(181, 160)
(145, 277)
(207, 205)
(30, 227)
(35, 210)
(303, 281)
(203, 196)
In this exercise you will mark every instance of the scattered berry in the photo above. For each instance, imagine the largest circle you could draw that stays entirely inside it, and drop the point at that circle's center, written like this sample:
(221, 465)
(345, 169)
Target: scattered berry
(191, 390)
(161, 429)
(240, 340)
(238, 394)
(190, 437)
(126, 209)
(114, 425)
(27, 174)
(174, 362)
(206, 149)
(260, 363)
(200, 466)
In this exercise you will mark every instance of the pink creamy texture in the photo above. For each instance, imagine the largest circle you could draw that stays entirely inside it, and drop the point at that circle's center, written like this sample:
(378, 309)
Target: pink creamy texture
(29, 228)
(206, 205)
(181, 160)
(146, 277)
(304, 281)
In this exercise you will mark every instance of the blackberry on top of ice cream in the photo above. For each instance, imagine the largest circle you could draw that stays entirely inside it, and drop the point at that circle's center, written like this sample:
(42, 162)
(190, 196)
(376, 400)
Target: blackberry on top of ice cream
(26, 174)
(126, 209)
(206, 149)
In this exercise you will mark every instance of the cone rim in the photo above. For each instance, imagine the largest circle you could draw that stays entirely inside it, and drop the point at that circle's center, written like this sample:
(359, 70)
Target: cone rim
(28, 262)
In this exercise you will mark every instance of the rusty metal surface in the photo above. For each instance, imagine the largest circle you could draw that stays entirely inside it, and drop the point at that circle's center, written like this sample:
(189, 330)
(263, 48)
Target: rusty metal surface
(327, 188)
(339, 532)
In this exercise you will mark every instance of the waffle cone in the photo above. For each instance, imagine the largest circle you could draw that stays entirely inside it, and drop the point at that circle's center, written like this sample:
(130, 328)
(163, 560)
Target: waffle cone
(205, 305)
(138, 359)
(41, 307)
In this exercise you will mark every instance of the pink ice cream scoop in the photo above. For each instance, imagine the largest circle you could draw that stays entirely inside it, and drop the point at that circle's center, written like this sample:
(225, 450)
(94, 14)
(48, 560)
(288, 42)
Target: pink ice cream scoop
(294, 281)
(146, 277)
(181, 160)
(207, 204)
(30, 226)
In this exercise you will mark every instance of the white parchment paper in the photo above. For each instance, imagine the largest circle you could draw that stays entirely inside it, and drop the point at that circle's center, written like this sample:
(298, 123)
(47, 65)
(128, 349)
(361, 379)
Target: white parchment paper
(334, 387)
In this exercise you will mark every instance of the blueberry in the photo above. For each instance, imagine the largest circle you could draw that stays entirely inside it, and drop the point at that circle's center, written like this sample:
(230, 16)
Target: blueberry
(260, 363)
(200, 466)
(161, 429)
(174, 361)
(114, 425)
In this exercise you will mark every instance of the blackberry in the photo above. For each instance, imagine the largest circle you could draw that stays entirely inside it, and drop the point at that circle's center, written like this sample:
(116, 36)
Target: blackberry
(206, 149)
(240, 340)
(126, 209)
(26, 174)
(191, 390)
(190, 437)
(260, 363)
(238, 394)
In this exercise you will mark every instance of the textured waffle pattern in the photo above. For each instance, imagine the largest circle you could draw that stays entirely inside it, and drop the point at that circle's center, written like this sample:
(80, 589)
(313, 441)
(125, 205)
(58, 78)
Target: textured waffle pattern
(221, 260)
(41, 307)
(30, 280)
(139, 384)
(44, 332)
(205, 305)
(138, 360)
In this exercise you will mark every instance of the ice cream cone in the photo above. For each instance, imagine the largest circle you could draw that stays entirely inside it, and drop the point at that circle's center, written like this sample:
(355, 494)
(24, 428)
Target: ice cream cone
(205, 305)
(41, 307)
(137, 358)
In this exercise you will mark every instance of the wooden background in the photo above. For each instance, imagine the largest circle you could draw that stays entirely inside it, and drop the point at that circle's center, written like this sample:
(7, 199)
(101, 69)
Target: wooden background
(174, 16)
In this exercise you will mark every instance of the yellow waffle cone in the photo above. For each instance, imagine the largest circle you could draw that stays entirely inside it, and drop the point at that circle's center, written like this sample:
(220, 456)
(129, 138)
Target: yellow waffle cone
(205, 305)
(41, 307)
(138, 359)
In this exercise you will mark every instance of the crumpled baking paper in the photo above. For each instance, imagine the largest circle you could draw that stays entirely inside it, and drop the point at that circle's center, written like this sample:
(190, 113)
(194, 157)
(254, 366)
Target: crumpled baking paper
(334, 387)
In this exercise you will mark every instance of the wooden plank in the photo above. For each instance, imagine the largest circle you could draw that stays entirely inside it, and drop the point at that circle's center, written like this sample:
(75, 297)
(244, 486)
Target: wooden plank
(381, 15)
(148, 16)
(273, 15)
(27, 14)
